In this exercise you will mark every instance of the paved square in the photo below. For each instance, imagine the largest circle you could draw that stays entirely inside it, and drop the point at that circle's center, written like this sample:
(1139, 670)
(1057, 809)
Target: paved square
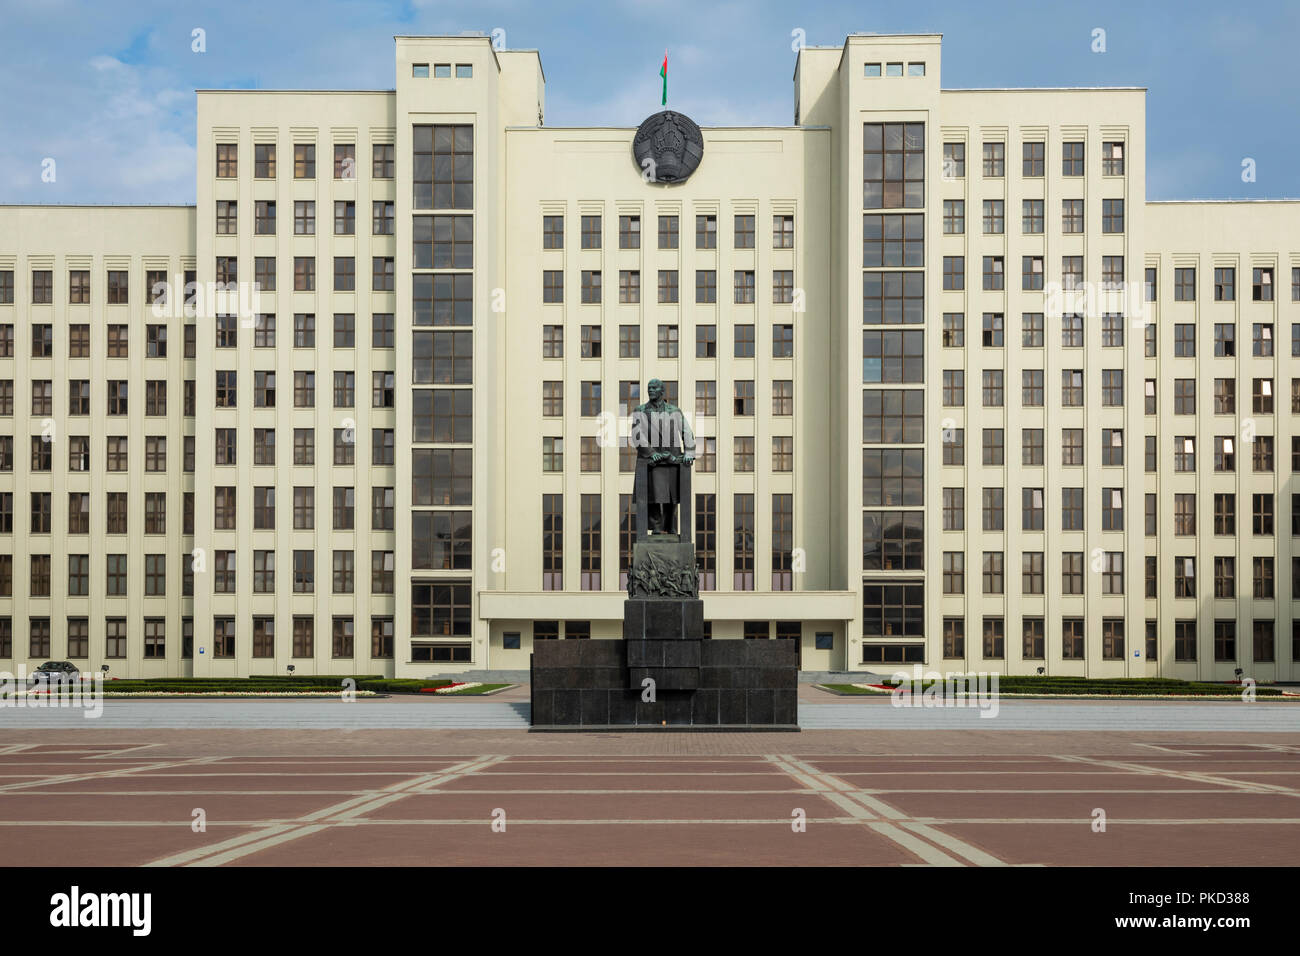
(842, 798)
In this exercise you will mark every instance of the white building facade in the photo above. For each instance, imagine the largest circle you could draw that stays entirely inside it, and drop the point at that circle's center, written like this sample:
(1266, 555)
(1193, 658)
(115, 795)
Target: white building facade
(962, 396)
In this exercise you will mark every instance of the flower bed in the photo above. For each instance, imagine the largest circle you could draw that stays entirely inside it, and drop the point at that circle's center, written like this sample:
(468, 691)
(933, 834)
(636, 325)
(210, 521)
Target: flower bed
(452, 688)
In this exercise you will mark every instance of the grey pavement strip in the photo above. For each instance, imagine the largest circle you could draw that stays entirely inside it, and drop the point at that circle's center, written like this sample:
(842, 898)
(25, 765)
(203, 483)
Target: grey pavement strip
(319, 714)
(1058, 716)
(313, 714)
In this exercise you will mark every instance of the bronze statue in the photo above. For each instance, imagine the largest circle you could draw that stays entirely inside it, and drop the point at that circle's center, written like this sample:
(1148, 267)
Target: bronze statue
(665, 443)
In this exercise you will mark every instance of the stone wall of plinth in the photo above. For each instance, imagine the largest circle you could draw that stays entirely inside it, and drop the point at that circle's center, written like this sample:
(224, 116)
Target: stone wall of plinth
(742, 684)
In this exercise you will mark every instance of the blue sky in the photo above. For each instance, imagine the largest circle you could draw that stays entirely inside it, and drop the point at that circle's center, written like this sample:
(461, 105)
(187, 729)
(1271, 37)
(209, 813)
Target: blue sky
(106, 88)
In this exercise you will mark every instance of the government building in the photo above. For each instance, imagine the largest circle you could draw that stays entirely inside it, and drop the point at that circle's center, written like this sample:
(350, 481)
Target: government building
(962, 396)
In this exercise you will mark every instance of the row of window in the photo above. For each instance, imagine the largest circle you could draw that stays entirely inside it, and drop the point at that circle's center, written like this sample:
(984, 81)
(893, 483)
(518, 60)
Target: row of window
(669, 340)
(1034, 642)
(751, 630)
(117, 286)
(453, 251)
(382, 391)
(382, 157)
(891, 477)
(382, 219)
(705, 537)
(993, 328)
(1033, 507)
(117, 458)
(1032, 277)
(993, 387)
(464, 71)
(706, 397)
(706, 286)
(262, 325)
(382, 517)
(449, 369)
(1262, 452)
(1262, 342)
(1109, 566)
(153, 632)
(993, 159)
(1225, 284)
(1031, 218)
(894, 69)
(669, 235)
(706, 454)
(224, 573)
(382, 276)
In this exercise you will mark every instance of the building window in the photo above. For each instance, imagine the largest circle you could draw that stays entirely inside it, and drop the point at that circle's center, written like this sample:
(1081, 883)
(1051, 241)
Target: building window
(1071, 509)
(1071, 216)
(954, 161)
(994, 639)
(954, 217)
(1072, 159)
(994, 573)
(893, 165)
(954, 273)
(995, 160)
(1261, 289)
(782, 542)
(893, 609)
(993, 509)
(552, 542)
(954, 572)
(227, 160)
(993, 273)
(1033, 159)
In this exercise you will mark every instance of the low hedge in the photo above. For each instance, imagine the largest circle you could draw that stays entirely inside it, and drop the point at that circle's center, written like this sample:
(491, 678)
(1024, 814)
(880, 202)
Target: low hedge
(401, 685)
(263, 685)
(1019, 684)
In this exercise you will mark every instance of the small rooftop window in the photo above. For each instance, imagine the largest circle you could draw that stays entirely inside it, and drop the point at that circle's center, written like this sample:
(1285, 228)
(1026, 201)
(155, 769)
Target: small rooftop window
(871, 69)
(464, 71)
(893, 69)
(420, 70)
(442, 70)
(916, 69)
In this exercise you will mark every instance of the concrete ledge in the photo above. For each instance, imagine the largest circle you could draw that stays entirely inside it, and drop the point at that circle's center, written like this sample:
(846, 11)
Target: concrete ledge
(659, 729)
(842, 677)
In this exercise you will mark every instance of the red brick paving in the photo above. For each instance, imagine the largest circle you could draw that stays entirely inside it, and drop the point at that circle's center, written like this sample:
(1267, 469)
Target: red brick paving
(422, 797)
(563, 845)
(1079, 806)
(220, 808)
(106, 845)
(658, 780)
(1209, 846)
(606, 806)
(1038, 778)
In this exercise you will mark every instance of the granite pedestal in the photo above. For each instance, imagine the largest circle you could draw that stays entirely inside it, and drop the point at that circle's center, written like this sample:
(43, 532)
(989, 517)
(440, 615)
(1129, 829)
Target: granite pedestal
(739, 685)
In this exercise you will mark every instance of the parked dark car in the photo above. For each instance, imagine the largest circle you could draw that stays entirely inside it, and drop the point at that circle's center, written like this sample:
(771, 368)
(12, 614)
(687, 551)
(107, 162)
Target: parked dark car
(56, 672)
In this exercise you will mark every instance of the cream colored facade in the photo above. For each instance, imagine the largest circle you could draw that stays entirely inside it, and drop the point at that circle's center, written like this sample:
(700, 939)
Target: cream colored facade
(459, 345)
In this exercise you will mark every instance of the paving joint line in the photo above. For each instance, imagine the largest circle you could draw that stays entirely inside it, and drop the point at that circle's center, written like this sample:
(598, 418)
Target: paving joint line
(924, 843)
(1247, 786)
(306, 825)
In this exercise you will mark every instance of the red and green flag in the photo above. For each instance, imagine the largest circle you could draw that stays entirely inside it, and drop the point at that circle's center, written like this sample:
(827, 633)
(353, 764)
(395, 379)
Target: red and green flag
(663, 71)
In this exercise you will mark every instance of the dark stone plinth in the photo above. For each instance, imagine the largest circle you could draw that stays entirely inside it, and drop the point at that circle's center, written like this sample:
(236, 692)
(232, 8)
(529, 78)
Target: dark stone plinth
(663, 638)
(742, 685)
(663, 619)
